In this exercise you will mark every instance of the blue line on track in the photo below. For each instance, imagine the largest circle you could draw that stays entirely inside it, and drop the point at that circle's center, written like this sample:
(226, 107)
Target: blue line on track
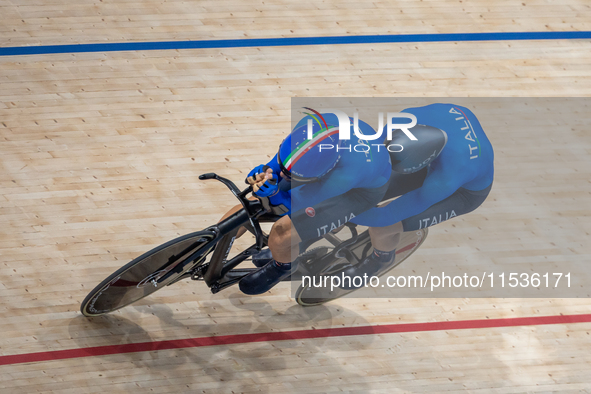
(272, 42)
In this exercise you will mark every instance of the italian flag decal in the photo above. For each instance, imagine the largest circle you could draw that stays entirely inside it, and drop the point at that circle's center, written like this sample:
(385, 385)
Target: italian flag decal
(305, 146)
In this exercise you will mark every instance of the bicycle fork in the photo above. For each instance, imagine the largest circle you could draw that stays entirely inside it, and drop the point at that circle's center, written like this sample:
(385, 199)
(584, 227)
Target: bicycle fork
(218, 275)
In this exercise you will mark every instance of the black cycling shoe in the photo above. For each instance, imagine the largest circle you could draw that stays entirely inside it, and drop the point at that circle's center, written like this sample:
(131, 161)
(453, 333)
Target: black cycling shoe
(262, 258)
(371, 266)
(262, 280)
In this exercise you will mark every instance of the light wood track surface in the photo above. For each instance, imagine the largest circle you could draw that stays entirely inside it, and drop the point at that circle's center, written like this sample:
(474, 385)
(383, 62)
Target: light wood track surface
(61, 22)
(100, 154)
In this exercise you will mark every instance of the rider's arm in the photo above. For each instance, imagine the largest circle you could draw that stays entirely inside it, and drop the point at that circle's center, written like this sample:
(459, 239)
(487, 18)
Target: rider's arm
(274, 164)
(335, 184)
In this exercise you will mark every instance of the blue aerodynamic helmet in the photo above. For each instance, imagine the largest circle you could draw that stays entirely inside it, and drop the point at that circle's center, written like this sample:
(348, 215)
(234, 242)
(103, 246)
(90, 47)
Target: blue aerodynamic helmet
(307, 160)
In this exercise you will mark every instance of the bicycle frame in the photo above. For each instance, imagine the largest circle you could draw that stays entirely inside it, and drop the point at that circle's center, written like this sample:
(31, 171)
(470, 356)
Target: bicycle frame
(219, 273)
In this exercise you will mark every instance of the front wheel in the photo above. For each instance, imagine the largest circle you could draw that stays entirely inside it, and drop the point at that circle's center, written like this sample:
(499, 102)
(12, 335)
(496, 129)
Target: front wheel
(148, 273)
(310, 295)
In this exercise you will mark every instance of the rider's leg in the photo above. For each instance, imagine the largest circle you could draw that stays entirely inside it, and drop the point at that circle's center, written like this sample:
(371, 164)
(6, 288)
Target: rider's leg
(264, 256)
(312, 222)
(284, 240)
(384, 241)
(386, 238)
(232, 211)
(283, 243)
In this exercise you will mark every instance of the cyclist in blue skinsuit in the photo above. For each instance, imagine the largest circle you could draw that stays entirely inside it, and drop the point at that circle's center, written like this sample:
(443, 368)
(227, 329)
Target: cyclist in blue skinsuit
(446, 172)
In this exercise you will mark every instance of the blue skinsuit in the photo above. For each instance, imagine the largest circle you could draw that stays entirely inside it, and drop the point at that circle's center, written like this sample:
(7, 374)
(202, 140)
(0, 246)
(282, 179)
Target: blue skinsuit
(465, 162)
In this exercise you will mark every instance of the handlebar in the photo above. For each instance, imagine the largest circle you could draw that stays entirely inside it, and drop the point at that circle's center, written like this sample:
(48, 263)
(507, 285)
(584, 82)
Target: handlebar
(231, 185)
(253, 208)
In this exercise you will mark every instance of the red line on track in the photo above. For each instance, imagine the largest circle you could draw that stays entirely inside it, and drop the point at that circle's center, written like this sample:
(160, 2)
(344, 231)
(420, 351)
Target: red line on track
(290, 335)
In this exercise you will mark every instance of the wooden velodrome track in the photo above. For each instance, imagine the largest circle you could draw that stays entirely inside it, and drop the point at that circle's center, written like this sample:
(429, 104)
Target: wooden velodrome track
(100, 154)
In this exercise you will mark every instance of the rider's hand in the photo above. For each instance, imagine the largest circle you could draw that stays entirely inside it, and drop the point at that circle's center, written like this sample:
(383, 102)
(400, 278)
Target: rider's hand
(257, 174)
(267, 190)
(266, 187)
